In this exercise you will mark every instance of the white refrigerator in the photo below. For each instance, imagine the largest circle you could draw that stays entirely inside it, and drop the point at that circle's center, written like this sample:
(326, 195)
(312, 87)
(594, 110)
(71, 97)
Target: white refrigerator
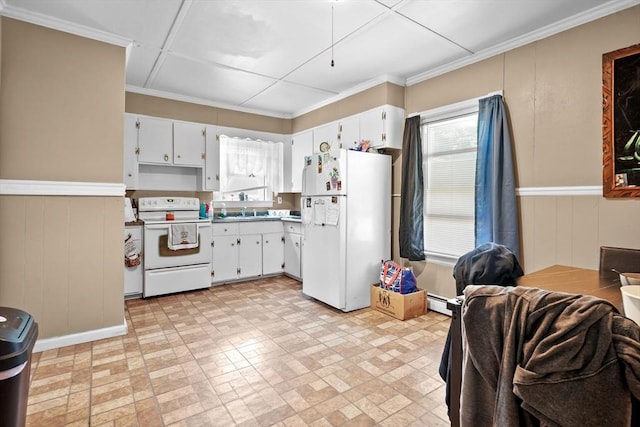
(346, 214)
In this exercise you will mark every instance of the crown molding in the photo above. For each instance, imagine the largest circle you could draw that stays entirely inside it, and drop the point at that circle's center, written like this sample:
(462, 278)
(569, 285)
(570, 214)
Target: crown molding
(61, 25)
(352, 91)
(201, 101)
(21, 187)
(550, 30)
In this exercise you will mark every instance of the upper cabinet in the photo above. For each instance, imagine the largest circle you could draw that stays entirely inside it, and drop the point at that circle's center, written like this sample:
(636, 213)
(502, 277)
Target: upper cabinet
(301, 146)
(130, 159)
(155, 140)
(326, 134)
(349, 132)
(189, 144)
(383, 126)
(212, 160)
(163, 154)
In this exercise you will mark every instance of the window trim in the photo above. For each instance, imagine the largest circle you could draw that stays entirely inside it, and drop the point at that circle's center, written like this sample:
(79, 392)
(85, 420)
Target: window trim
(447, 112)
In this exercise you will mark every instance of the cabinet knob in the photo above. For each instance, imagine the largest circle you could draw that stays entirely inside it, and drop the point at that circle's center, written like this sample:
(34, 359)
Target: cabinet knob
(166, 157)
(209, 178)
(202, 156)
(178, 155)
(130, 175)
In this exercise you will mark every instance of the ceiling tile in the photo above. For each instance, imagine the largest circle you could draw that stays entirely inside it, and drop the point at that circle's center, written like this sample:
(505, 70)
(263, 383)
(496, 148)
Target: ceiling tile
(145, 21)
(286, 97)
(474, 24)
(140, 64)
(268, 38)
(202, 80)
(394, 47)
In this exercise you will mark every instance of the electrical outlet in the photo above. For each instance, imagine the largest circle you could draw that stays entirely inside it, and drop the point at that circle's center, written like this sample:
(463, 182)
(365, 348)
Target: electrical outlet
(279, 200)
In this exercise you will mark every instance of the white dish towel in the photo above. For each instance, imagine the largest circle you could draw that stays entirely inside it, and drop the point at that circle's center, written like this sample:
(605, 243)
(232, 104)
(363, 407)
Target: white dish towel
(182, 236)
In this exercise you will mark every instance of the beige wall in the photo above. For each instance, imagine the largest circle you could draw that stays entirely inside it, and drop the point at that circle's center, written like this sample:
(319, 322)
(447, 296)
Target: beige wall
(385, 93)
(162, 107)
(553, 92)
(61, 109)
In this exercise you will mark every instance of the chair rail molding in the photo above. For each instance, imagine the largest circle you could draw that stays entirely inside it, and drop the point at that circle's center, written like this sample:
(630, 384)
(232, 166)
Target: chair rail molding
(20, 187)
(588, 190)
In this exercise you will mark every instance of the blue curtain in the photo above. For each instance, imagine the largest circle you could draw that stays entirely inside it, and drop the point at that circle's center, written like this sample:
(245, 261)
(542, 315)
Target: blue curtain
(411, 198)
(496, 218)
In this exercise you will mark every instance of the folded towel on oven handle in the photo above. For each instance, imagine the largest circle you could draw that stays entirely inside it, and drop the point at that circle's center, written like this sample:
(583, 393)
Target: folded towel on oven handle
(182, 236)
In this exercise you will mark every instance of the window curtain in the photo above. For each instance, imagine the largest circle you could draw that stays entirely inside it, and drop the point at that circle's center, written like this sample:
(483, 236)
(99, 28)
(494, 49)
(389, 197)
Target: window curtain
(251, 163)
(411, 199)
(496, 218)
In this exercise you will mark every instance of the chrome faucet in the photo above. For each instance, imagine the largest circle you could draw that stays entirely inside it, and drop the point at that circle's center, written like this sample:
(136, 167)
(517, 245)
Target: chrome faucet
(243, 210)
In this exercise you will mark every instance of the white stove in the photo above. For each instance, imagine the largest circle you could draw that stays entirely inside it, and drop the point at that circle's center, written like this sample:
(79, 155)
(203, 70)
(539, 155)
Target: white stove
(170, 264)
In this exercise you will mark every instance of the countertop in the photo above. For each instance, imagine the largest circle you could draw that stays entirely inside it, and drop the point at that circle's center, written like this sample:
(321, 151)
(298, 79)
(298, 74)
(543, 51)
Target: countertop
(251, 218)
(235, 218)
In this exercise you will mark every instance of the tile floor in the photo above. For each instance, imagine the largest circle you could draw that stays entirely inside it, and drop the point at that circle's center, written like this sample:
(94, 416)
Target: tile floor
(251, 354)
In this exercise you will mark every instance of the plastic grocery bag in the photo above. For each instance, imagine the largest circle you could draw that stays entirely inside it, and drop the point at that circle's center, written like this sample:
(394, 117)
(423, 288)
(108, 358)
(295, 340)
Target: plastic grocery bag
(396, 278)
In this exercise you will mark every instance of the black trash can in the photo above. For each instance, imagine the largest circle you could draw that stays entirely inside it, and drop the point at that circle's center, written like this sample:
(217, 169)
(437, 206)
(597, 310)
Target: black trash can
(18, 333)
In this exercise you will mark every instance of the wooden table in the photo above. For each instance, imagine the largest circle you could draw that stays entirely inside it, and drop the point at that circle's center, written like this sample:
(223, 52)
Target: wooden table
(561, 278)
(558, 278)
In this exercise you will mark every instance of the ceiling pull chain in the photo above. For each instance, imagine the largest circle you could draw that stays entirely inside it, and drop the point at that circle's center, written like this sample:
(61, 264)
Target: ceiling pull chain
(332, 63)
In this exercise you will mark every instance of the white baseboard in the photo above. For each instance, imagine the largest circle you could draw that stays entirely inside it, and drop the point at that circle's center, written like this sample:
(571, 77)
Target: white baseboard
(80, 338)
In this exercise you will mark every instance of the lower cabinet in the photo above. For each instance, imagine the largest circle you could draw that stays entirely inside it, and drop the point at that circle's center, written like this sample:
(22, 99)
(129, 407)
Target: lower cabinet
(244, 250)
(133, 276)
(293, 249)
(272, 253)
(249, 255)
(224, 265)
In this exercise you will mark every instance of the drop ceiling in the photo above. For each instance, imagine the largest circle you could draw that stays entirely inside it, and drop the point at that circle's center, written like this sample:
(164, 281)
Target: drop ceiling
(274, 57)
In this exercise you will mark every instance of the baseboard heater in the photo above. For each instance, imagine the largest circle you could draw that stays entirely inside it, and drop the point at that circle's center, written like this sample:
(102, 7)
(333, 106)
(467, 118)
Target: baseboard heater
(438, 304)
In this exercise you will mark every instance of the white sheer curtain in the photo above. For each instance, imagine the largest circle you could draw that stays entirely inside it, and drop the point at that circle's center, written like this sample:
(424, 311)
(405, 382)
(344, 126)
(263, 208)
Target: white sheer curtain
(250, 166)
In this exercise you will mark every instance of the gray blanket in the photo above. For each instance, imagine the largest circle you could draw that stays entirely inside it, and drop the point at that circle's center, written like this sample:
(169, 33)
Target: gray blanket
(535, 357)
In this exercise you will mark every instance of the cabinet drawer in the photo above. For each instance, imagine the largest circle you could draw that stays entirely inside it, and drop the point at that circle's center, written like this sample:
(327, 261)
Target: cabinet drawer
(260, 227)
(225, 229)
(292, 227)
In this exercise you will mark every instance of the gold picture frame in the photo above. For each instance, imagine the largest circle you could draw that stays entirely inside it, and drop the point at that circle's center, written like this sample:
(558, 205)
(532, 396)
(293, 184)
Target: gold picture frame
(621, 122)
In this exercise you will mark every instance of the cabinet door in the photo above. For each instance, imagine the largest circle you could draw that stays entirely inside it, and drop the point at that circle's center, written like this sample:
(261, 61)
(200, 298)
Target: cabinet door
(272, 253)
(383, 126)
(188, 144)
(349, 135)
(327, 133)
(133, 276)
(224, 266)
(155, 140)
(301, 146)
(371, 126)
(130, 158)
(212, 160)
(250, 255)
(292, 253)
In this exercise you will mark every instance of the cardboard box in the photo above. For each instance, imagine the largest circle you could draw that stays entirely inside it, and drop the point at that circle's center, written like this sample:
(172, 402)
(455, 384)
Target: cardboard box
(400, 306)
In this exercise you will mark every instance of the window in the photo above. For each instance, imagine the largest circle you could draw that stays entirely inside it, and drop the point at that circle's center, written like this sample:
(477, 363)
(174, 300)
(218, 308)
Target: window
(250, 170)
(449, 147)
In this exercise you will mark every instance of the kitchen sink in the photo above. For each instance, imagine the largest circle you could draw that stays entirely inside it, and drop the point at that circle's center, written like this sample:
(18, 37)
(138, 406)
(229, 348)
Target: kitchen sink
(247, 218)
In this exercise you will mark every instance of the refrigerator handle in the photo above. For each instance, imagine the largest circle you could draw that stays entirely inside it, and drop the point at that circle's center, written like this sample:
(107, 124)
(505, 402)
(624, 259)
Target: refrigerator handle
(304, 177)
